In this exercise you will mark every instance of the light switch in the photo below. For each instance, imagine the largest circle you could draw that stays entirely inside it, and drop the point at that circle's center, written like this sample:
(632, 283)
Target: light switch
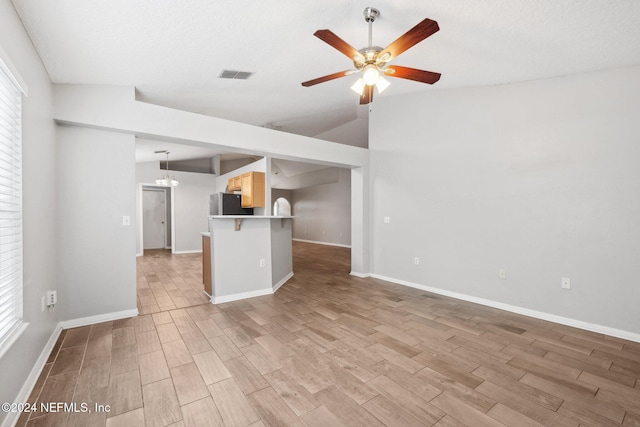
(126, 220)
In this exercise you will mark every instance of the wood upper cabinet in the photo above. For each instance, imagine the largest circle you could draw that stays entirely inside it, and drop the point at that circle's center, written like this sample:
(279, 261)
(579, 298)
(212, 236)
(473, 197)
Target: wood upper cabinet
(234, 183)
(253, 190)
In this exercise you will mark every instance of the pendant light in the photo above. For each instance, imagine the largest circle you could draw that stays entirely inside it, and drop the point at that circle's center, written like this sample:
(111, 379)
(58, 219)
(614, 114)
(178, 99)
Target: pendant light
(166, 179)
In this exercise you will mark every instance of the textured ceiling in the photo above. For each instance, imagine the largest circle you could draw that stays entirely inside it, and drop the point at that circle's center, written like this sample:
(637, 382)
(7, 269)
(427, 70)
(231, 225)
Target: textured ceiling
(172, 51)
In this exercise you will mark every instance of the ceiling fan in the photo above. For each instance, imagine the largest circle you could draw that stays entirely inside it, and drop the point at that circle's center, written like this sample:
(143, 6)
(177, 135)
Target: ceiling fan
(373, 60)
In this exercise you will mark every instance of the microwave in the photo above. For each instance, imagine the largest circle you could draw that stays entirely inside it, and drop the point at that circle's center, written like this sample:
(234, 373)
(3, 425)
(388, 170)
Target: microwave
(227, 204)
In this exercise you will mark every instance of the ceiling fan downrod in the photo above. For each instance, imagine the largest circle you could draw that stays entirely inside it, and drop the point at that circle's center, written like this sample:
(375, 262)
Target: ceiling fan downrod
(370, 15)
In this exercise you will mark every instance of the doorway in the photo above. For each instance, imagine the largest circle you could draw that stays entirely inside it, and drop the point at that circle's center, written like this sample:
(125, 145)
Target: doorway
(156, 218)
(281, 207)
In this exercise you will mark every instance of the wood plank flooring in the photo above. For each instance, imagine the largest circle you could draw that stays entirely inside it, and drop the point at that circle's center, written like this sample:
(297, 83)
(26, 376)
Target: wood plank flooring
(329, 349)
(167, 282)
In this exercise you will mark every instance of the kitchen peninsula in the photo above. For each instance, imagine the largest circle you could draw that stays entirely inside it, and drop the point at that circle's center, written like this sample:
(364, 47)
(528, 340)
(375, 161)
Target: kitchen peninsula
(250, 255)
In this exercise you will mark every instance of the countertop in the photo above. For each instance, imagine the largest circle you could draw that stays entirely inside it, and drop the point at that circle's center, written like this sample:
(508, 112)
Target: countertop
(248, 217)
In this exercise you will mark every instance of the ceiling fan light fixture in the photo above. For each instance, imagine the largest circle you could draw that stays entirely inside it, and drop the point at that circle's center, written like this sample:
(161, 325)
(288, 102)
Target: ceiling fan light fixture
(382, 84)
(370, 75)
(372, 60)
(358, 87)
(384, 58)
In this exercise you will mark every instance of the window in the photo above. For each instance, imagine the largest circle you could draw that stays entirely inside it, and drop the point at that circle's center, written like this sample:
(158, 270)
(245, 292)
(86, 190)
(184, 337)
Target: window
(10, 207)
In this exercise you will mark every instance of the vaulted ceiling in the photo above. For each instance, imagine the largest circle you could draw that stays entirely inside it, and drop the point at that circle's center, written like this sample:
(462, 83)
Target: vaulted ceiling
(173, 51)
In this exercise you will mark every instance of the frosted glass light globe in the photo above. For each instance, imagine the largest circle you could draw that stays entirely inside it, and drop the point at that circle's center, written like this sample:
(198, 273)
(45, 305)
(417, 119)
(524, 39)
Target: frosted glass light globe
(370, 75)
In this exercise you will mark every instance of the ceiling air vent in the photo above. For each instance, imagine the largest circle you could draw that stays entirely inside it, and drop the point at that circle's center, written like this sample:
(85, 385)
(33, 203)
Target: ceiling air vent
(237, 75)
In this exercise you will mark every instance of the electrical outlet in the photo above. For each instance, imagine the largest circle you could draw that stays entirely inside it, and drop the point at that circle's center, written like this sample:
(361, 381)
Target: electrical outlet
(386, 220)
(262, 263)
(416, 261)
(52, 298)
(565, 283)
(502, 274)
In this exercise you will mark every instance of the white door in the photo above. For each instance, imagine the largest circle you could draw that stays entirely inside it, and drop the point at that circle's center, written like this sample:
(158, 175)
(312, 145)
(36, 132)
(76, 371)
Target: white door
(154, 216)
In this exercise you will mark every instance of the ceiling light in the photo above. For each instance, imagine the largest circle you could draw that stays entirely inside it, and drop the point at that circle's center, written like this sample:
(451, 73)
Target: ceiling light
(167, 179)
(370, 75)
(358, 87)
(382, 84)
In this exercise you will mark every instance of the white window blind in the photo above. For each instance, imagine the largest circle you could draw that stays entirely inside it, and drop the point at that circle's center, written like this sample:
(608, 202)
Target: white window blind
(10, 206)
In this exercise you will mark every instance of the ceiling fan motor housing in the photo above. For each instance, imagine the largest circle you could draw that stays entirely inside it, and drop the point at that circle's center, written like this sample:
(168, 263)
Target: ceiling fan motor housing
(370, 14)
(369, 56)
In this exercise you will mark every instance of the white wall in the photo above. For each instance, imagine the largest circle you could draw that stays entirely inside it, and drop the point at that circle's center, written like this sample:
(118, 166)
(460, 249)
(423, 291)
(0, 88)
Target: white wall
(306, 179)
(281, 250)
(355, 132)
(323, 212)
(237, 254)
(39, 206)
(233, 164)
(540, 178)
(115, 108)
(95, 251)
(191, 199)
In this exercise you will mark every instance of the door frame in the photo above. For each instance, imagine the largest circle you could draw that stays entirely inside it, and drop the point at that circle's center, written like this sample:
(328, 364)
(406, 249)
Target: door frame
(172, 213)
(157, 200)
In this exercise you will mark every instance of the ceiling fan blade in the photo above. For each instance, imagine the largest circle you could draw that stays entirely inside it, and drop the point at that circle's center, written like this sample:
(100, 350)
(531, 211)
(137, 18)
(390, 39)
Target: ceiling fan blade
(327, 78)
(367, 95)
(412, 74)
(330, 38)
(412, 37)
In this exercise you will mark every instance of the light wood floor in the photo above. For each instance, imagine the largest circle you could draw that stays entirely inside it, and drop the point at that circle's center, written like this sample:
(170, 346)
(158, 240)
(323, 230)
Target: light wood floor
(167, 282)
(329, 349)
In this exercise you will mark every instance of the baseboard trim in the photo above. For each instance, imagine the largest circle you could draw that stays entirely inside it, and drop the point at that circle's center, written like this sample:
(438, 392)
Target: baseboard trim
(30, 382)
(282, 281)
(241, 295)
(198, 251)
(251, 294)
(580, 324)
(84, 321)
(315, 242)
(362, 275)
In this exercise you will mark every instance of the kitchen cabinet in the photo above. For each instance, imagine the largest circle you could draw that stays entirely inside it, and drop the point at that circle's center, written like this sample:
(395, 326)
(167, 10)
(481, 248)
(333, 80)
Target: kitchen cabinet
(234, 183)
(206, 265)
(253, 190)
